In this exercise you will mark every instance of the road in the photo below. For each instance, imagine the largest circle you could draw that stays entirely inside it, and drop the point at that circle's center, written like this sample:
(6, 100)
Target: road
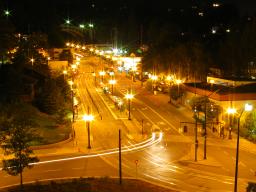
(168, 162)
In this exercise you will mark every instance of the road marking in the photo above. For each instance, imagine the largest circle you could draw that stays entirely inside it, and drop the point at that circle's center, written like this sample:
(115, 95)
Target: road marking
(112, 113)
(241, 163)
(52, 170)
(171, 125)
(79, 168)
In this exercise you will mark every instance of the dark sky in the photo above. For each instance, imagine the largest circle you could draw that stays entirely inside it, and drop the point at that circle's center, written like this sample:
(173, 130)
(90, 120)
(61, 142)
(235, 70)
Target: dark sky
(42, 13)
(245, 6)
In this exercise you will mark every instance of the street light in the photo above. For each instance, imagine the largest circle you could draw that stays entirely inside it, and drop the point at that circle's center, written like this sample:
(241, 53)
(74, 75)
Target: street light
(247, 107)
(65, 73)
(32, 60)
(102, 73)
(7, 13)
(178, 82)
(88, 118)
(129, 97)
(112, 82)
(94, 75)
(68, 21)
(230, 111)
(154, 78)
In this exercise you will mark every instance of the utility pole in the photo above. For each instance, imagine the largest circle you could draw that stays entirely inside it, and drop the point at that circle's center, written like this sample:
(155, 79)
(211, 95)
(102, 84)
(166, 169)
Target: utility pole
(205, 128)
(120, 158)
(88, 130)
(72, 95)
(196, 141)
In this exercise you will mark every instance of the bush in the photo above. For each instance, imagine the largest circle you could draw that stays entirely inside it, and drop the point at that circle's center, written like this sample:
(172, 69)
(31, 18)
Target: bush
(251, 187)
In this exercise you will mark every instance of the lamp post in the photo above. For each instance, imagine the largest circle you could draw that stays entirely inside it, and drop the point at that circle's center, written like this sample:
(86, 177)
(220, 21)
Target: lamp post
(230, 111)
(178, 82)
(247, 107)
(88, 118)
(32, 61)
(71, 83)
(102, 73)
(112, 82)
(205, 118)
(7, 13)
(129, 97)
(154, 78)
(196, 141)
(94, 75)
(65, 73)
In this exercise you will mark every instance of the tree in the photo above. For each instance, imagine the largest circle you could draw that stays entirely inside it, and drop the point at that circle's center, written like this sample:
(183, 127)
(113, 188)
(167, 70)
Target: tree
(51, 99)
(199, 103)
(250, 125)
(7, 39)
(16, 144)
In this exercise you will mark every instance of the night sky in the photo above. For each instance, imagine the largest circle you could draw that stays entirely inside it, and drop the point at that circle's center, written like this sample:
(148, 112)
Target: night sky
(45, 15)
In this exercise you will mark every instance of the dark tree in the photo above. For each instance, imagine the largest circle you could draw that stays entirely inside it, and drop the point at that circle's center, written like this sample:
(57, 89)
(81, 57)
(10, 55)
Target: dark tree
(16, 143)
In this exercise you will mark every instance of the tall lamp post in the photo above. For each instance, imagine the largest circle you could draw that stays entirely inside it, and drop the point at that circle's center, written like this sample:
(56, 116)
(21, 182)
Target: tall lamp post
(112, 82)
(94, 75)
(154, 78)
(32, 61)
(65, 72)
(247, 107)
(88, 118)
(71, 83)
(178, 82)
(129, 97)
(102, 73)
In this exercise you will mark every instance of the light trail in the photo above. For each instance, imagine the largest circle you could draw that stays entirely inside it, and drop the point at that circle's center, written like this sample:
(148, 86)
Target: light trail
(138, 146)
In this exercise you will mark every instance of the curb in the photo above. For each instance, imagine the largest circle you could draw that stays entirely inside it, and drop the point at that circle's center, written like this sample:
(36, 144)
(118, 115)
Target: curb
(70, 138)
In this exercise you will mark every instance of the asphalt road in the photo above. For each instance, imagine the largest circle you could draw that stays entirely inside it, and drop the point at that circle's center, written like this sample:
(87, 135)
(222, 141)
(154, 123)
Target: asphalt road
(168, 163)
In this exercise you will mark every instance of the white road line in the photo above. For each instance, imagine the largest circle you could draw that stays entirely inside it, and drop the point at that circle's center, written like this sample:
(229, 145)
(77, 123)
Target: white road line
(112, 113)
(172, 126)
(52, 170)
(78, 168)
(241, 163)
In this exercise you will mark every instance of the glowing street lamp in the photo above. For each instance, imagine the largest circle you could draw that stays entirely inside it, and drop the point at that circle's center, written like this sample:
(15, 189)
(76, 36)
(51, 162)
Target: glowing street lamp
(247, 108)
(178, 82)
(32, 60)
(7, 13)
(88, 118)
(112, 82)
(68, 21)
(102, 73)
(169, 78)
(154, 78)
(65, 73)
(230, 111)
(129, 97)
